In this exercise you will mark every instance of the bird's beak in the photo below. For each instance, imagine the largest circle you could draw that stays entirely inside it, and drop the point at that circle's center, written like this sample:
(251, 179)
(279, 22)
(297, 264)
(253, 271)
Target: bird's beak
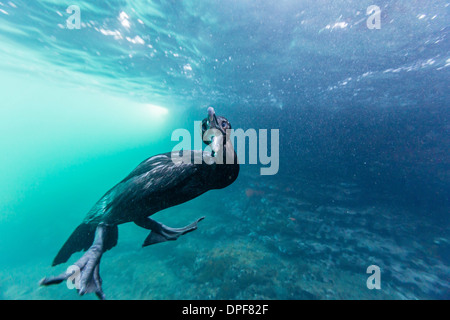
(212, 115)
(216, 140)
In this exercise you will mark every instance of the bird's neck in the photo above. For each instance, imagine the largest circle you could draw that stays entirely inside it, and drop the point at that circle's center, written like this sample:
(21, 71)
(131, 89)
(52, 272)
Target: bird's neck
(226, 155)
(226, 165)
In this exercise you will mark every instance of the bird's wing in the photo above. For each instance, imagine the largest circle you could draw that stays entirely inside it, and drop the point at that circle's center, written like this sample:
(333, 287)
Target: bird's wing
(154, 175)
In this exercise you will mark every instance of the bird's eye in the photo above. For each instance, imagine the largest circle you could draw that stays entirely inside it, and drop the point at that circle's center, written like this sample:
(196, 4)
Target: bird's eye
(224, 124)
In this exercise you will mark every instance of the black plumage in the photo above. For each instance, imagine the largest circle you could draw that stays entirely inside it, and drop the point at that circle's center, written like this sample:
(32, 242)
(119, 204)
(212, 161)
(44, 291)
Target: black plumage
(160, 182)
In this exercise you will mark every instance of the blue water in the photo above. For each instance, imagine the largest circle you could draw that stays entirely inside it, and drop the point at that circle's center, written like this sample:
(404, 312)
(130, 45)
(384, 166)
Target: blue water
(364, 144)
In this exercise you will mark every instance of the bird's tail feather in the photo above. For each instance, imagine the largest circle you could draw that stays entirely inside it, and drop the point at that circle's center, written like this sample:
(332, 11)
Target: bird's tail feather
(80, 239)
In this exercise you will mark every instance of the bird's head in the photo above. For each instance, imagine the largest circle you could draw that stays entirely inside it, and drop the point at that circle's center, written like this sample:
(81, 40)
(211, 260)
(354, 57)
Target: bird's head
(214, 130)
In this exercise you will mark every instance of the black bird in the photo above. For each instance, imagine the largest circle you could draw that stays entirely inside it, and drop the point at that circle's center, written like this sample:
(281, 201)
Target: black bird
(160, 182)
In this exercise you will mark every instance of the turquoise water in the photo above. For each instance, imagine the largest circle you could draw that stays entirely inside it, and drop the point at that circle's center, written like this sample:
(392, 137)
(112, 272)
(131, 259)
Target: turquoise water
(364, 138)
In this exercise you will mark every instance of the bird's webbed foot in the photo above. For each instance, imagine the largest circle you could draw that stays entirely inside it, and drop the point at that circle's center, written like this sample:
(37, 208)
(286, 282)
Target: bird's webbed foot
(161, 233)
(84, 275)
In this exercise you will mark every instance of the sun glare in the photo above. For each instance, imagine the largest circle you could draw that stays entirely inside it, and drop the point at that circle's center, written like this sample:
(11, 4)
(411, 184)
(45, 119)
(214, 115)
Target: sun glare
(157, 111)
